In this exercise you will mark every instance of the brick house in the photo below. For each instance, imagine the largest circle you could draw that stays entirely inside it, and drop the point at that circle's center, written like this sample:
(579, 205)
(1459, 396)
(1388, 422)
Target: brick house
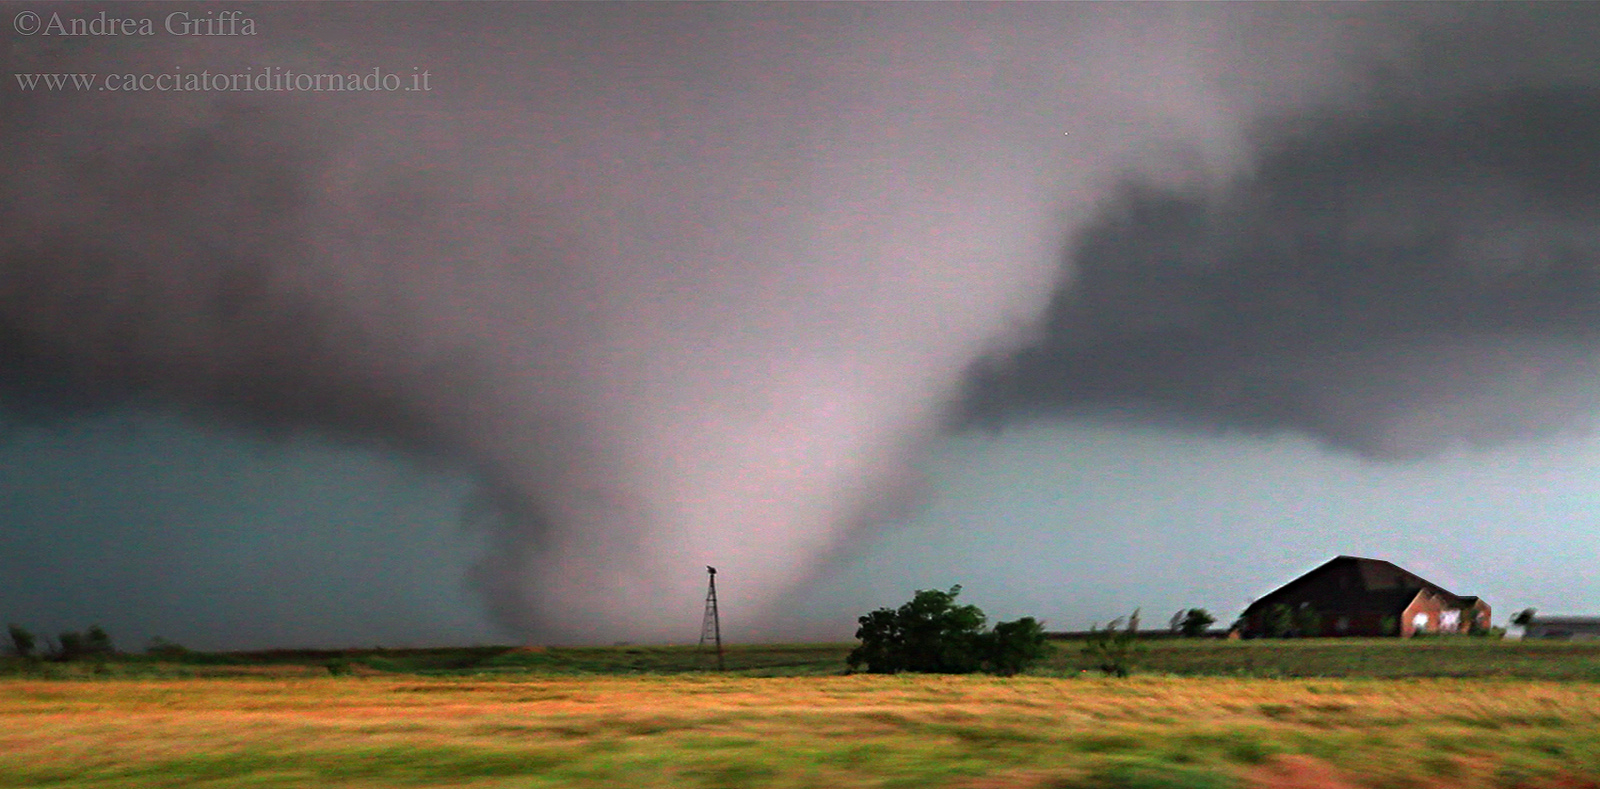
(1352, 596)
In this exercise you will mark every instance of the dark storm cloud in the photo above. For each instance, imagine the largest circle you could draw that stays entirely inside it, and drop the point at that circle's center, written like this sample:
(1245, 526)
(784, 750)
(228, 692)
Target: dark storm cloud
(217, 196)
(690, 284)
(1391, 277)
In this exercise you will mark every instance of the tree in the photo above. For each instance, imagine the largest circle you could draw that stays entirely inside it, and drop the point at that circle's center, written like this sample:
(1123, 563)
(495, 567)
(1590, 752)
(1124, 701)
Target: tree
(69, 646)
(1524, 617)
(1195, 621)
(93, 642)
(931, 634)
(940, 636)
(883, 643)
(97, 641)
(1013, 646)
(22, 641)
(1112, 651)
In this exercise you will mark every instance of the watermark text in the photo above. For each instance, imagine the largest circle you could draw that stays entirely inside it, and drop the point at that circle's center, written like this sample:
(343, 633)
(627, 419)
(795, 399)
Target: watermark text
(270, 79)
(177, 23)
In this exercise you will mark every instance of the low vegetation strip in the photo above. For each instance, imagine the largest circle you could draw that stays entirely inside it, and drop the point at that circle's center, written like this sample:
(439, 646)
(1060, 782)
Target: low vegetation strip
(754, 660)
(966, 732)
(1457, 656)
(1374, 658)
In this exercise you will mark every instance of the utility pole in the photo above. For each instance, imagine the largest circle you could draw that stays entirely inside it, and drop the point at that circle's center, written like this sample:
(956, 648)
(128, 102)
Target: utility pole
(711, 625)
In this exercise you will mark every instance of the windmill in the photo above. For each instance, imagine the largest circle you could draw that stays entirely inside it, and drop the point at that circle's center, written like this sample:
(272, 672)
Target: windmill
(711, 625)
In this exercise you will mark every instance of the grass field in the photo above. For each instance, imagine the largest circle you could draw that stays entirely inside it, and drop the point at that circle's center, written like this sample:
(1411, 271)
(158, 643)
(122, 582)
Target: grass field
(1361, 657)
(619, 717)
(1371, 658)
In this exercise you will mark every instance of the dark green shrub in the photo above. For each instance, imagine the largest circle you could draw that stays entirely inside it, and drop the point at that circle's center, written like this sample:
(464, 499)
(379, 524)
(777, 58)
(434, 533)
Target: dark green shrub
(883, 643)
(69, 646)
(1013, 646)
(92, 643)
(97, 641)
(22, 641)
(1112, 650)
(1195, 621)
(932, 634)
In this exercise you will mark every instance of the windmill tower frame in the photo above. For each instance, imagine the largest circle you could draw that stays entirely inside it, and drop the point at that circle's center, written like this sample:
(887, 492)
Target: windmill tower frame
(711, 623)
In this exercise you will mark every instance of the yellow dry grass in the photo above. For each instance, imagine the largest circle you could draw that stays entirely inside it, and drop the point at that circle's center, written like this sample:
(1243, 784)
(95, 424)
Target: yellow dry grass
(846, 731)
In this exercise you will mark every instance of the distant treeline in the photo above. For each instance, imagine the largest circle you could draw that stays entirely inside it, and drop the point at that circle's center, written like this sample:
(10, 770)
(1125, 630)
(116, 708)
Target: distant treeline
(71, 645)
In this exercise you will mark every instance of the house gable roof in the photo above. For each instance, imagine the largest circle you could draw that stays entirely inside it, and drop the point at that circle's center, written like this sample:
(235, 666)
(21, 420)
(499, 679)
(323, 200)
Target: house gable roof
(1354, 583)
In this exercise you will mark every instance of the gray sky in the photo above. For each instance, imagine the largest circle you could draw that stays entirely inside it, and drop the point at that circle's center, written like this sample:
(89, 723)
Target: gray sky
(1083, 306)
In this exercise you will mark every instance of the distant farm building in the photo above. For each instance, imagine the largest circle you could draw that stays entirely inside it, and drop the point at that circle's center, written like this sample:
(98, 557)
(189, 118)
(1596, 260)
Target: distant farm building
(1563, 628)
(1352, 596)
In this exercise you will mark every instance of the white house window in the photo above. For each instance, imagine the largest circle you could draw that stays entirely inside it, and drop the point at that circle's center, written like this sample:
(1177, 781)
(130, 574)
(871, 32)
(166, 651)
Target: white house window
(1449, 621)
(1419, 622)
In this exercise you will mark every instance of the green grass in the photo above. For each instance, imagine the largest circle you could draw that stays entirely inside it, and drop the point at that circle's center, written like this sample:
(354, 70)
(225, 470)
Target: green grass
(765, 660)
(419, 765)
(1332, 658)
(1363, 657)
